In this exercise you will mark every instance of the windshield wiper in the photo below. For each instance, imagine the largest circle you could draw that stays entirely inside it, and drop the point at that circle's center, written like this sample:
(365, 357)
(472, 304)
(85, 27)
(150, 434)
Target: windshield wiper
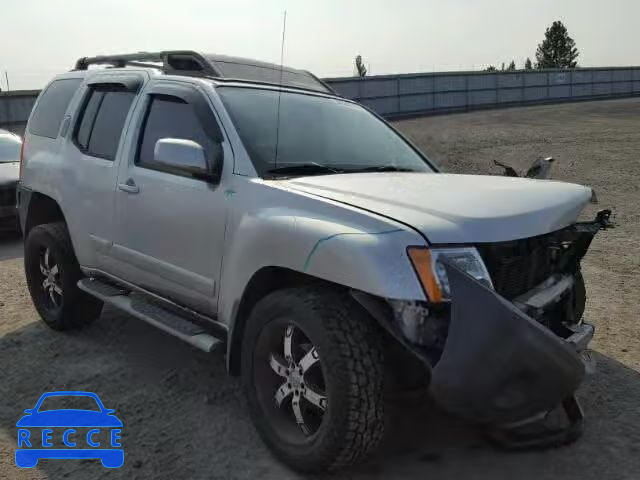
(380, 168)
(304, 169)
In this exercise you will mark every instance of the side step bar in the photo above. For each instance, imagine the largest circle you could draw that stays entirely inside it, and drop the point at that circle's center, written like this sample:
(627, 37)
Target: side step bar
(137, 305)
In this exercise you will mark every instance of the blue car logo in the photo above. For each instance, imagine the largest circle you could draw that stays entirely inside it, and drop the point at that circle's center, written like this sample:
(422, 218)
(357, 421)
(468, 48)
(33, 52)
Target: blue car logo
(84, 433)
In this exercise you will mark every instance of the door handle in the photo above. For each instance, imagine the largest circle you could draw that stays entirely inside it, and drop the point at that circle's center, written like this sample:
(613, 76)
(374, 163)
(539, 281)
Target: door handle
(129, 186)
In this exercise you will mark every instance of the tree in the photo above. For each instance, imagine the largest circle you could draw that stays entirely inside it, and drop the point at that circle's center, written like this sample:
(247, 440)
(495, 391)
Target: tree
(557, 50)
(502, 67)
(361, 70)
(528, 65)
(512, 66)
(490, 68)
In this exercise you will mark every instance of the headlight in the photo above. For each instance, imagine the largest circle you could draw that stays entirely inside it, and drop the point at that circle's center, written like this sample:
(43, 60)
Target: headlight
(433, 275)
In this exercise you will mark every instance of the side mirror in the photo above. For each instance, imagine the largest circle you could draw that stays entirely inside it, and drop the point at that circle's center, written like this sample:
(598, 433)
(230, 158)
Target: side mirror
(186, 156)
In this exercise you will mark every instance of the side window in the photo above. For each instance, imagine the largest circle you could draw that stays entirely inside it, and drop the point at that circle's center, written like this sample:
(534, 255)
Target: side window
(46, 119)
(170, 117)
(88, 118)
(101, 124)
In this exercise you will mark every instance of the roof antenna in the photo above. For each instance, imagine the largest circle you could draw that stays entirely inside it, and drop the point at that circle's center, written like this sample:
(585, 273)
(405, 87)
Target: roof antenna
(284, 30)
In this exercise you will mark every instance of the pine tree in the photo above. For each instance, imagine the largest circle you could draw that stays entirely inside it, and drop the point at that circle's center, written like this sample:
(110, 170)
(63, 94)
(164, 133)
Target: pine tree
(361, 70)
(512, 66)
(558, 49)
(528, 65)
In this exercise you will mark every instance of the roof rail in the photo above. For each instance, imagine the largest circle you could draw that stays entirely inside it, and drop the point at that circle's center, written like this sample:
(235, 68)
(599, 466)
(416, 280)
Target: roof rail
(181, 60)
(191, 63)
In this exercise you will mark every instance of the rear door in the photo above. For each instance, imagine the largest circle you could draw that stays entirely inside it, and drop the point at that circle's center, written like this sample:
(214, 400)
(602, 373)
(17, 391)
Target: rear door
(170, 225)
(92, 156)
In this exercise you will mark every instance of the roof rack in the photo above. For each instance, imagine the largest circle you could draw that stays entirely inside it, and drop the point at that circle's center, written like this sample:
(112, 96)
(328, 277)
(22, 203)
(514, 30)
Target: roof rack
(191, 63)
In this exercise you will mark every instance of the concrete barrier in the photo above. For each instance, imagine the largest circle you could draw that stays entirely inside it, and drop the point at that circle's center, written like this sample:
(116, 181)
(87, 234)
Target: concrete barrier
(15, 108)
(415, 94)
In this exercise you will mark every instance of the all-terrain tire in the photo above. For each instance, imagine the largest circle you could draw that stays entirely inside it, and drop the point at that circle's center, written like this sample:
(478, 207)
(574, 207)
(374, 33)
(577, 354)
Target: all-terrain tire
(76, 308)
(350, 349)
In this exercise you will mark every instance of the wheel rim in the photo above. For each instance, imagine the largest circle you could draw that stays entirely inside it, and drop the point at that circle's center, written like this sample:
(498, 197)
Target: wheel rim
(290, 382)
(50, 282)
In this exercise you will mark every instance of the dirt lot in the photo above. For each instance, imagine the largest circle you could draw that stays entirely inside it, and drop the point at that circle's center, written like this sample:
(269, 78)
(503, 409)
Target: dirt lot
(185, 418)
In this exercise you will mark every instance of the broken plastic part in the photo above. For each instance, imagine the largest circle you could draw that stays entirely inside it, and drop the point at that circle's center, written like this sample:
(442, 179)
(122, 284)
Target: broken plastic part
(535, 434)
(499, 365)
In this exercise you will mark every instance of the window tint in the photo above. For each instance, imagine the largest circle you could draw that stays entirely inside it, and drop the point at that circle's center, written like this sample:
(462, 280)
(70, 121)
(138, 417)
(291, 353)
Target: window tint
(109, 124)
(88, 118)
(170, 117)
(47, 117)
(100, 128)
(314, 130)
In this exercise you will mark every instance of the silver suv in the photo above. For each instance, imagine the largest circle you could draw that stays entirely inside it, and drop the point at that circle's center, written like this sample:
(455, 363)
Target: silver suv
(242, 205)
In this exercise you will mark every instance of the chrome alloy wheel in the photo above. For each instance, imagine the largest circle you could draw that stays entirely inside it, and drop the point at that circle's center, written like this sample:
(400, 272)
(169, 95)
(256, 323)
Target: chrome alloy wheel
(297, 383)
(51, 283)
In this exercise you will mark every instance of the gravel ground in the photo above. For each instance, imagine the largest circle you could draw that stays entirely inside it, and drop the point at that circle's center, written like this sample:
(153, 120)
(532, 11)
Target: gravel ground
(185, 418)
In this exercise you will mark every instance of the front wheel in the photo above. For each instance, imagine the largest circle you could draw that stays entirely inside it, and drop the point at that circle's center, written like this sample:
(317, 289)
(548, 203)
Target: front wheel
(312, 368)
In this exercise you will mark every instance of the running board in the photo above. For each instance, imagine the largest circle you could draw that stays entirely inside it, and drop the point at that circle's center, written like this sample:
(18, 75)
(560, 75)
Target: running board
(137, 305)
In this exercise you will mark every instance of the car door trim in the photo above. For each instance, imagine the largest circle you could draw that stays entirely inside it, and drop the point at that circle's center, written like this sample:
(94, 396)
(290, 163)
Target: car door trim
(188, 279)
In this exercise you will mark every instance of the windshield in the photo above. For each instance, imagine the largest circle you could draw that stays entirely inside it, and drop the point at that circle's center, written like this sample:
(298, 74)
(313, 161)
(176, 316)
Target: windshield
(331, 135)
(9, 149)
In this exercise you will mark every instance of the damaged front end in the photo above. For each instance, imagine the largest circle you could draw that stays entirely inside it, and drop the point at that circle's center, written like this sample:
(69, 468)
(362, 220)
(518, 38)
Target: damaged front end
(506, 354)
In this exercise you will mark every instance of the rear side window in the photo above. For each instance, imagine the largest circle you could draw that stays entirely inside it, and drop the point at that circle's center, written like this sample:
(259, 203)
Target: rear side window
(100, 126)
(170, 117)
(47, 117)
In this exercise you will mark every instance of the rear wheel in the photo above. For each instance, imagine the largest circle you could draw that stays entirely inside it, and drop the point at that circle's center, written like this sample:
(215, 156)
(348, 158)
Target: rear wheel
(53, 273)
(312, 368)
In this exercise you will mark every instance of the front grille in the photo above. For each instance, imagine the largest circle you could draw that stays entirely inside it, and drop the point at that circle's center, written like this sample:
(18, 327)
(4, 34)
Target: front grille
(518, 266)
(8, 196)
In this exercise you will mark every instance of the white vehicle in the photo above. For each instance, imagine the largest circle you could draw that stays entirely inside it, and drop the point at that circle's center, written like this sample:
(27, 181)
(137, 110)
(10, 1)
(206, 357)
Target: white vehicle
(243, 205)
(10, 144)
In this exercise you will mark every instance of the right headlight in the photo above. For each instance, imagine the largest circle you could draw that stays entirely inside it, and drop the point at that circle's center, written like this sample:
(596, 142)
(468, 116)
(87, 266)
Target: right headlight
(433, 274)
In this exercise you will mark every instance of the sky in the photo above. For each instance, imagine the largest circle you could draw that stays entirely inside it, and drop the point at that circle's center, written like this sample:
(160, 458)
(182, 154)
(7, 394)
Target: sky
(40, 38)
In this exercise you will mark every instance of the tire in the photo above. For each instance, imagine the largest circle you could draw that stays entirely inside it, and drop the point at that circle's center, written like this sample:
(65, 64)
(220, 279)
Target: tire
(71, 308)
(351, 362)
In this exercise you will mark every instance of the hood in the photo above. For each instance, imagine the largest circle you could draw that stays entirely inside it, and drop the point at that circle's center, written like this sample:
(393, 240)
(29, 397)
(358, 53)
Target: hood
(449, 208)
(9, 172)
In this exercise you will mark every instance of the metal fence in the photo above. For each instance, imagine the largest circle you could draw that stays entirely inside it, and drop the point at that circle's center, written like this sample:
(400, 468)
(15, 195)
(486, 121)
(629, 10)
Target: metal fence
(427, 93)
(415, 94)
(15, 108)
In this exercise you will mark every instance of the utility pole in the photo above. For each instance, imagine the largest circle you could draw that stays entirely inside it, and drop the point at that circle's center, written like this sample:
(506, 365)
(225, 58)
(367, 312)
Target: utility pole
(6, 76)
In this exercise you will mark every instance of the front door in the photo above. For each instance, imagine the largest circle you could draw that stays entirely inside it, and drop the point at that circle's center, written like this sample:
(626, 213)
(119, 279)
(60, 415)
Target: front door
(170, 225)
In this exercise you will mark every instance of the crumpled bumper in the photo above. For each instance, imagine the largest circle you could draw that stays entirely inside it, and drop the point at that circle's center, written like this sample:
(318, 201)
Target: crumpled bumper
(500, 366)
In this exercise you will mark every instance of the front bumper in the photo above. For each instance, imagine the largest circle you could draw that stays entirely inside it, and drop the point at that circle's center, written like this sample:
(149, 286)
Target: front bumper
(8, 211)
(8, 219)
(499, 365)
